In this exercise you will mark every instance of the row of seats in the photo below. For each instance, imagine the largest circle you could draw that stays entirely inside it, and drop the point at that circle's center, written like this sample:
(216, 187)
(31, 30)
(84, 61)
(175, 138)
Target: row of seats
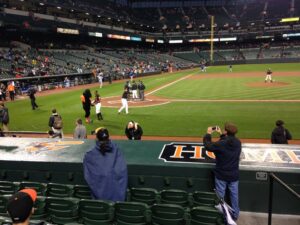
(96, 212)
(148, 196)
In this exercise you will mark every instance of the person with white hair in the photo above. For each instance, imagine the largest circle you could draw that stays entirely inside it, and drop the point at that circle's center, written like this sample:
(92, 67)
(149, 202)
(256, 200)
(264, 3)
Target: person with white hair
(133, 131)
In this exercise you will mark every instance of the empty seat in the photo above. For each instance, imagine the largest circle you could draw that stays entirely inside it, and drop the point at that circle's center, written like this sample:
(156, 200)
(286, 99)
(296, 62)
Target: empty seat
(59, 190)
(201, 198)
(96, 212)
(40, 188)
(145, 195)
(82, 192)
(168, 214)
(3, 205)
(7, 187)
(62, 210)
(206, 215)
(132, 213)
(174, 196)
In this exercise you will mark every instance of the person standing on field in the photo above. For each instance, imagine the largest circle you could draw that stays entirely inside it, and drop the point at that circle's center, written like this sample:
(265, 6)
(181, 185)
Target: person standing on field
(97, 104)
(80, 130)
(280, 135)
(86, 104)
(269, 76)
(4, 117)
(31, 94)
(124, 102)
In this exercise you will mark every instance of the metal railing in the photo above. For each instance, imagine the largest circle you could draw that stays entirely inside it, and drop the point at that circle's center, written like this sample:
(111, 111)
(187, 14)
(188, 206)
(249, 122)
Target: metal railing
(273, 178)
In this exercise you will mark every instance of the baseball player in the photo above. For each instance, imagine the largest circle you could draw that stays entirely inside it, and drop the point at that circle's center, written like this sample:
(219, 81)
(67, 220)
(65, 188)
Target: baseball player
(100, 78)
(124, 102)
(269, 76)
(134, 90)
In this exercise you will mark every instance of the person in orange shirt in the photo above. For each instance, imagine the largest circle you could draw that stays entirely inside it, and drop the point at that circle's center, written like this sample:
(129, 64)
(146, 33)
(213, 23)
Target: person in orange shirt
(11, 90)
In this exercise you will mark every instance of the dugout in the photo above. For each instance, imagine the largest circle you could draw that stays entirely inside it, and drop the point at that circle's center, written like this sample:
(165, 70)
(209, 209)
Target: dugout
(160, 165)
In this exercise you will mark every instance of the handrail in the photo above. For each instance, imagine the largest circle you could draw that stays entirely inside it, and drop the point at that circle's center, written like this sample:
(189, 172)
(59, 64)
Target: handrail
(272, 178)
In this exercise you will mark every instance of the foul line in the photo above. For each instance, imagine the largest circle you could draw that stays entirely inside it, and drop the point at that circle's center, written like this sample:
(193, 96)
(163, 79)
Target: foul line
(169, 84)
(228, 100)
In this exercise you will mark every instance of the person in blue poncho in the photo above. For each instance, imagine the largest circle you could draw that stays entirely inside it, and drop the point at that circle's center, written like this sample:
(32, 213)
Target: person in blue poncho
(105, 169)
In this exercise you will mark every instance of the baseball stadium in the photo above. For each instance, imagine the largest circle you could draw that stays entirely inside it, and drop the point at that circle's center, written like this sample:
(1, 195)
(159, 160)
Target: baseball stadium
(160, 112)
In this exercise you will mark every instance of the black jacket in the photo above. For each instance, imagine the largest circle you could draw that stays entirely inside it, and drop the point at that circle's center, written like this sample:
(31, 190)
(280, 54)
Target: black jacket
(280, 135)
(134, 134)
(227, 151)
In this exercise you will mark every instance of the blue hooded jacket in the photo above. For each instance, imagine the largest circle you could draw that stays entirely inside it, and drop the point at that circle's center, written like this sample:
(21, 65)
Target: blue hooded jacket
(106, 174)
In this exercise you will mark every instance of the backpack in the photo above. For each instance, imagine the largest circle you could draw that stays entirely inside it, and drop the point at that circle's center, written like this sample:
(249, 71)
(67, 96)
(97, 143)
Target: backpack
(58, 123)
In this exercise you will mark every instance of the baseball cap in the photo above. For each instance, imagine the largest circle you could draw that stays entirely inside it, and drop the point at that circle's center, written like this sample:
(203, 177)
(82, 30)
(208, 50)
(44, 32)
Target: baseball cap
(102, 134)
(20, 205)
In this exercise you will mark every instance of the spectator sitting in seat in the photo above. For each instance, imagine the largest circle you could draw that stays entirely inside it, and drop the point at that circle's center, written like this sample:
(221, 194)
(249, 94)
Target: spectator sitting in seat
(105, 169)
(20, 206)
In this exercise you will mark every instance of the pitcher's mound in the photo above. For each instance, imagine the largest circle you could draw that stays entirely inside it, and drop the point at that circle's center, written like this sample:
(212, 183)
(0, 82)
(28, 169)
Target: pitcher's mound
(263, 84)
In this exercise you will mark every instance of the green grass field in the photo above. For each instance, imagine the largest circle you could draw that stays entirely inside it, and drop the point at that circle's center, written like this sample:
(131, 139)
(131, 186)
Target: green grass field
(254, 119)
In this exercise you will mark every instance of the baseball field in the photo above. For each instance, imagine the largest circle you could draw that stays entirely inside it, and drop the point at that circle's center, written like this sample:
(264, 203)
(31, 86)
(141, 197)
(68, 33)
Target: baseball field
(183, 103)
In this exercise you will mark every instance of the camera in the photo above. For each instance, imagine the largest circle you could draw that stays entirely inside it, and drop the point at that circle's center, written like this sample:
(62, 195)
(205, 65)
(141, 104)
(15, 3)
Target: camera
(214, 128)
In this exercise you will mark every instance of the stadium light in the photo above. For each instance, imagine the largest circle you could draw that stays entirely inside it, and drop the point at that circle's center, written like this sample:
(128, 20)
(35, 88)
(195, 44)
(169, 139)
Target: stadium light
(41, 3)
(287, 20)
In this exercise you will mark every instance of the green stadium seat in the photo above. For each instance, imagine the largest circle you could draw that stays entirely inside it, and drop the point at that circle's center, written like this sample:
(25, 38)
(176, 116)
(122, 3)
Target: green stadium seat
(206, 215)
(82, 192)
(145, 195)
(40, 212)
(201, 198)
(62, 210)
(59, 190)
(3, 205)
(132, 213)
(174, 196)
(96, 212)
(39, 187)
(168, 214)
(7, 188)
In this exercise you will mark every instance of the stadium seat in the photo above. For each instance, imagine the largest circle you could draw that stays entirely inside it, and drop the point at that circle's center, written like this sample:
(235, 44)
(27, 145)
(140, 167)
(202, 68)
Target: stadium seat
(3, 204)
(96, 212)
(59, 190)
(201, 198)
(40, 208)
(132, 213)
(168, 214)
(39, 187)
(145, 195)
(206, 215)
(62, 210)
(7, 187)
(82, 192)
(174, 196)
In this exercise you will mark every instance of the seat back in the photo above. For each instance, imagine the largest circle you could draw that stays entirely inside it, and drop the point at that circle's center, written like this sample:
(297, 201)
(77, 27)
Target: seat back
(59, 190)
(40, 209)
(3, 205)
(8, 188)
(40, 188)
(174, 196)
(168, 214)
(96, 211)
(132, 213)
(145, 195)
(82, 192)
(201, 198)
(206, 214)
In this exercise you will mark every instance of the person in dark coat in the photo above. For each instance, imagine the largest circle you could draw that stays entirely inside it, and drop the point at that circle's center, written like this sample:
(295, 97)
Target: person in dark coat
(280, 135)
(86, 104)
(105, 169)
(133, 131)
(227, 151)
(31, 94)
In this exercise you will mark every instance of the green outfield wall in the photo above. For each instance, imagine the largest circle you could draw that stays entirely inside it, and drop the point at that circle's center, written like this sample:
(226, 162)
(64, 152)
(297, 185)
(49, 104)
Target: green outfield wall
(161, 165)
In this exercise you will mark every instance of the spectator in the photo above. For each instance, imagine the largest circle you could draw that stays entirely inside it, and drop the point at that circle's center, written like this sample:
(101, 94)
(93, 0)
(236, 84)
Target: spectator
(56, 124)
(280, 135)
(105, 169)
(4, 116)
(80, 130)
(227, 151)
(20, 206)
(133, 131)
